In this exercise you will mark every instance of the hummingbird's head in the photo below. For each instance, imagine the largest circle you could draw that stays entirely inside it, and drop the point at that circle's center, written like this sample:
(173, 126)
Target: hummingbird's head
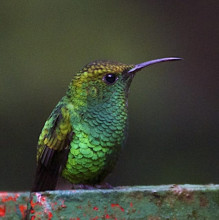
(99, 82)
(102, 82)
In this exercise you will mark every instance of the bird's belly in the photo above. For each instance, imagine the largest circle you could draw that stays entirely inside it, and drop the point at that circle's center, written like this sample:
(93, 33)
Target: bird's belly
(89, 161)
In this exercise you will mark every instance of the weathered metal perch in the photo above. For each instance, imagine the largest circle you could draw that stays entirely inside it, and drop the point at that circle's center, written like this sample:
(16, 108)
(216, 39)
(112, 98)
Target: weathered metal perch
(173, 202)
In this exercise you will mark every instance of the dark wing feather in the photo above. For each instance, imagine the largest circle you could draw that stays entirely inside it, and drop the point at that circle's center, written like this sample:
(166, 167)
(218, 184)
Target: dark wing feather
(53, 149)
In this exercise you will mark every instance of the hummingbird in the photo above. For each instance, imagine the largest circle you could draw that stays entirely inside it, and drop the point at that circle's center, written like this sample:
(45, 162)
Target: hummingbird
(83, 136)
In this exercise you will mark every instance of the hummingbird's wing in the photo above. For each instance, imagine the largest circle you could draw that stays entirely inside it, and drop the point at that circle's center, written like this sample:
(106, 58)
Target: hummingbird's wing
(53, 148)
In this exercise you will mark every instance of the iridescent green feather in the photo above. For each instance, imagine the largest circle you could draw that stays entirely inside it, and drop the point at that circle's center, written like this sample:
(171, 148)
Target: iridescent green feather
(83, 136)
(99, 123)
(94, 114)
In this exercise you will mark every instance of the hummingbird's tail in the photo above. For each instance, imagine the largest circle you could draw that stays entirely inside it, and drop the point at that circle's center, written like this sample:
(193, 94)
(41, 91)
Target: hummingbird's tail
(47, 176)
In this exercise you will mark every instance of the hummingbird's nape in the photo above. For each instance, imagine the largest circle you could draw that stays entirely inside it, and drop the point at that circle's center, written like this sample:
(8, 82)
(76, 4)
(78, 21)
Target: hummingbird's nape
(82, 138)
(140, 66)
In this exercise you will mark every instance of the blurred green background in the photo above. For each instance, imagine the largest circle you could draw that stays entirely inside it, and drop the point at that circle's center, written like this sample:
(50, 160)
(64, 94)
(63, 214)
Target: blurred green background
(173, 124)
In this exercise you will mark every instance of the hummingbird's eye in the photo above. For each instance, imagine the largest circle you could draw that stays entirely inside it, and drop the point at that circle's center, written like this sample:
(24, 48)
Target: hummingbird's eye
(110, 78)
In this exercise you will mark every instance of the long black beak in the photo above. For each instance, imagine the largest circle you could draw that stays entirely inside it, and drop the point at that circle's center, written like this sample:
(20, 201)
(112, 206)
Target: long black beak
(140, 66)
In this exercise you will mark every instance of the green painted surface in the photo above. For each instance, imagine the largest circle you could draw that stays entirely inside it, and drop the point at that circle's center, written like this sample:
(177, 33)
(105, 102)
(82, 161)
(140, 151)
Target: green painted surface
(13, 205)
(175, 202)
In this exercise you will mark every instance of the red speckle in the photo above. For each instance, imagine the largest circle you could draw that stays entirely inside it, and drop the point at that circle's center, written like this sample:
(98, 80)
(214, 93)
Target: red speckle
(63, 205)
(32, 217)
(33, 204)
(49, 215)
(95, 218)
(131, 204)
(42, 199)
(6, 198)
(122, 209)
(95, 208)
(117, 205)
(53, 204)
(107, 216)
(23, 209)
(2, 210)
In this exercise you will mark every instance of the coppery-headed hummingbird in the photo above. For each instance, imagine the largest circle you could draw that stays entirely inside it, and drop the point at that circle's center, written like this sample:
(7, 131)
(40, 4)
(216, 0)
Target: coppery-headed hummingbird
(83, 136)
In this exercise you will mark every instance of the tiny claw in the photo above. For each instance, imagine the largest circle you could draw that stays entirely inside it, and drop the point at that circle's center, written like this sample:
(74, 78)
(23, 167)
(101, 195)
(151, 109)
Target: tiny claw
(104, 186)
(92, 187)
(82, 186)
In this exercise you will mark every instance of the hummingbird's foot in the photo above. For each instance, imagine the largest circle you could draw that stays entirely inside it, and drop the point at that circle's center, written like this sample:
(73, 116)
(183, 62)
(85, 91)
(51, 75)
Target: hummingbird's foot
(82, 186)
(104, 186)
(92, 187)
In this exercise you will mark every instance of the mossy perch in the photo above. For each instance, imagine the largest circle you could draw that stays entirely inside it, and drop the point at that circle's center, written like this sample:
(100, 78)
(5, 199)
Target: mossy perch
(176, 202)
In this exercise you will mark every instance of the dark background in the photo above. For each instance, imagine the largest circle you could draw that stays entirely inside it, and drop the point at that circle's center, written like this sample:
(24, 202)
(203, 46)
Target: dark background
(173, 118)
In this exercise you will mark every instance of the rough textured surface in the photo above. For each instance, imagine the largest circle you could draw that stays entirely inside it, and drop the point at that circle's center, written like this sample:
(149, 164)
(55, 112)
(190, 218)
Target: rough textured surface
(140, 202)
(13, 205)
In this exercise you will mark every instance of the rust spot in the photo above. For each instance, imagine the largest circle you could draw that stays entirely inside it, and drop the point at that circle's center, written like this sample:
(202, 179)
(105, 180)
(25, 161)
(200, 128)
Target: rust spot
(157, 199)
(182, 193)
(137, 195)
(131, 210)
(203, 201)
(79, 207)
(195, 214)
